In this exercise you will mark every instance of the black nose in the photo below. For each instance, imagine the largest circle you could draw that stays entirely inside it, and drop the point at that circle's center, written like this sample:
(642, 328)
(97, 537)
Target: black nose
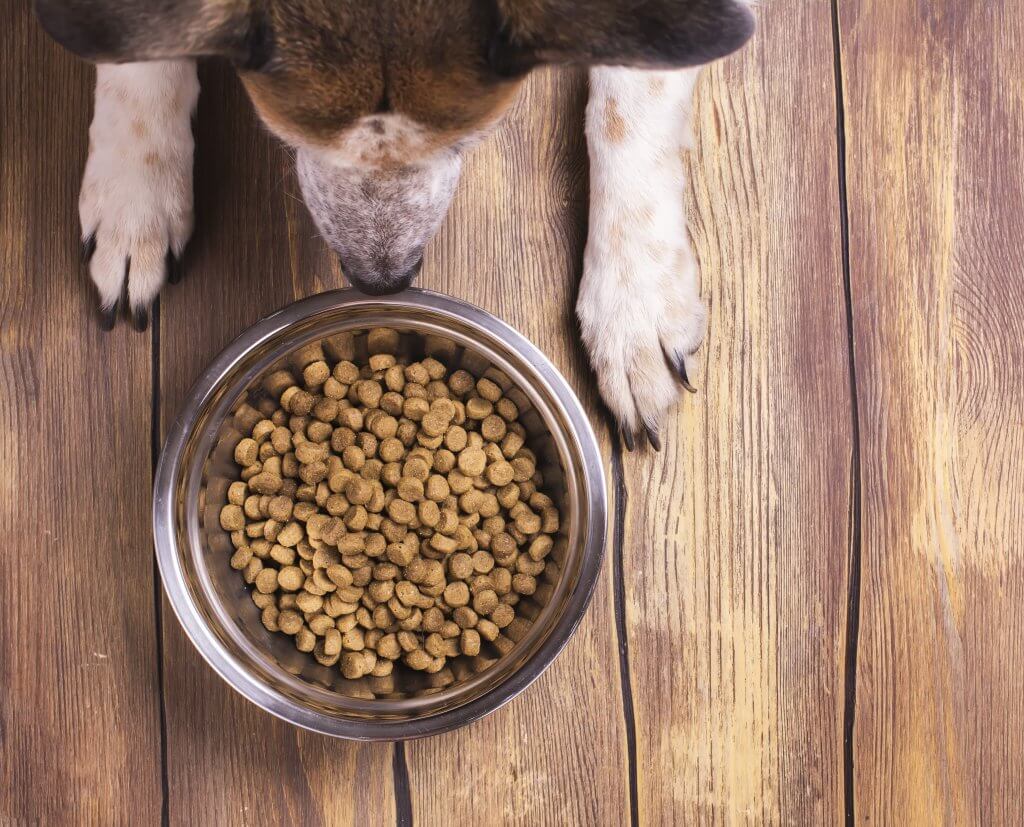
(374, 283)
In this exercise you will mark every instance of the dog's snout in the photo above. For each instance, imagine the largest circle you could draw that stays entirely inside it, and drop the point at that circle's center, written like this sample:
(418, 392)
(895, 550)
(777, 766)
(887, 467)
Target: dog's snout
(376, 283)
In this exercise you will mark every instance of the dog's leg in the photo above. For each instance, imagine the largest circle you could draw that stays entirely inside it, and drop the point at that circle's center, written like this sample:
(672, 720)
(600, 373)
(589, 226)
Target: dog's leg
(136, 199)
(639, 309)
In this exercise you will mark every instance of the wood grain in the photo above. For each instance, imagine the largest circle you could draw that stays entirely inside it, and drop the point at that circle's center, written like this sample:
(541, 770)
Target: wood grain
(79, 696)
(935, 147)
(513, 243)
(255, 250)
(736, 536)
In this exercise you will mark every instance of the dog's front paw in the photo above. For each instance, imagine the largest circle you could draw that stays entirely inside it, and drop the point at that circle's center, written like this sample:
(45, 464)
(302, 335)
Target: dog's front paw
(642, 321)
(136, 199)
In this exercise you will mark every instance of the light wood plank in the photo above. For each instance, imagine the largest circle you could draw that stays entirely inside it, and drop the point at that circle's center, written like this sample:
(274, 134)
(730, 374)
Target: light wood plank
(513, 244)
(935, 119)
(79, 695)
(736, 537)
(255, 250)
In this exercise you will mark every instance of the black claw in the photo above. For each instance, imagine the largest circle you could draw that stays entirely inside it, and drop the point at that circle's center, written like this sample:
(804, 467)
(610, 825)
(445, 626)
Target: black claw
(683, 378)
(140, 319)
(678, 364)
(88, 248)
(627, 437)
(652, 437)
(108, 315)
(175, 267)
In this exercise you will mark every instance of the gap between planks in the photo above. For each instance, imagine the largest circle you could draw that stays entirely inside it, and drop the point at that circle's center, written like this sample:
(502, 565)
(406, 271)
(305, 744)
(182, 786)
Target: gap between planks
(853, 579)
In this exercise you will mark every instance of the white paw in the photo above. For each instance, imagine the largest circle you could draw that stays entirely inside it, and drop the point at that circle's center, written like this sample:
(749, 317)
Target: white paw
(642, 321)
(136, 199)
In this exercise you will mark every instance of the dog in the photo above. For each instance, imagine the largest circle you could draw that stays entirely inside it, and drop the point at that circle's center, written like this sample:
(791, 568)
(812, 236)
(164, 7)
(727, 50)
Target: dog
(381, 100)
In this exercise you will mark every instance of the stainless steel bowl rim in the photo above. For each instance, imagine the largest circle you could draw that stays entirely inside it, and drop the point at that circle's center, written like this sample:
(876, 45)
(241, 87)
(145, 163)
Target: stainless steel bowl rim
(225, 664)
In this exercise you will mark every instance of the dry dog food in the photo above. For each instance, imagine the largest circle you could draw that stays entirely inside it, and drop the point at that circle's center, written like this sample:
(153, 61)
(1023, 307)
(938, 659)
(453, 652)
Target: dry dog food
(389, 512)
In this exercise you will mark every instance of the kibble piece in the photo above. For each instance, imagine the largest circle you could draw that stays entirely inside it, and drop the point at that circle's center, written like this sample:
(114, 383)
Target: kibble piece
(354, 640)
(460, 566)
(315, 374)
(540, 547)
(434, 645)
(290, 578)
(485, 602)
(266, 581)
(237, 493)
(401, 511)
(280, 508)
(493, 428)
(232, 518)
(418, 660)
(465, 617)
(487, 629)
(488, 389)
(262, 600)
(290, 622)
(482, 562)
(240, 559)
(305, 640)
(265, 483)
(415, 407)
(456, 594)
(469, 642)
(246, 452)
(290, 535)
(416, 467)
(345, 372)
(269, 616)
(478, 408)
(309, 602)
(502, 615)
(524, 584)
(332, 642)
(527, 522)
(252, 569)
(472, 462)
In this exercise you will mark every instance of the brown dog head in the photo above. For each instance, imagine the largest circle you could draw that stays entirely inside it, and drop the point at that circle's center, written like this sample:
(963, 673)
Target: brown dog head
(380, 98)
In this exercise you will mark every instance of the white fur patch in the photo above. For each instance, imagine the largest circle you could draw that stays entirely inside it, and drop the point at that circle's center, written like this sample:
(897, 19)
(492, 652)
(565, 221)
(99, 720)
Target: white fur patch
(638, 301)
(136, 196)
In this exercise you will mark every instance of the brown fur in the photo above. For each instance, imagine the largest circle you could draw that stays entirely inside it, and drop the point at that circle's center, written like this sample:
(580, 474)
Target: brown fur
(314, 67)
(614, 124)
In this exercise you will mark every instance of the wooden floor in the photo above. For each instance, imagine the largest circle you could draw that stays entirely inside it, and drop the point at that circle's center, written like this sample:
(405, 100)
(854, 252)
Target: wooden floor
(813, 607)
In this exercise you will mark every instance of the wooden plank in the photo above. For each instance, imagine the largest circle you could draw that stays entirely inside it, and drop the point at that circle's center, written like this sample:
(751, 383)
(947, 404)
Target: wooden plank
(935, 121)
(513, 244)
(255, 250)
(79, 696)
(736, 536)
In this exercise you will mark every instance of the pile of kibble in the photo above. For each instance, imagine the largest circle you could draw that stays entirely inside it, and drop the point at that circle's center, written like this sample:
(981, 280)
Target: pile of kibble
(389, 512)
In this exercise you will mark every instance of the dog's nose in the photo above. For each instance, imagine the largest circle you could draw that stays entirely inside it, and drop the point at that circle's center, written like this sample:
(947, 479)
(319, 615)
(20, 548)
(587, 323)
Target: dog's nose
(381, 284)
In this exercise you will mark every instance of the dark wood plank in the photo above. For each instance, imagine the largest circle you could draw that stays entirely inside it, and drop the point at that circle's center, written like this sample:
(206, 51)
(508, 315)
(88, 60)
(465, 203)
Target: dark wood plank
(936, 143)
(255, 250)
(513, 244)
(79, 695)
(736, 536)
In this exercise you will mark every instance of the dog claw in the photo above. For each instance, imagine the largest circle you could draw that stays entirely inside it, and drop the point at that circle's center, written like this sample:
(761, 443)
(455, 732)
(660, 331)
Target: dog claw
(685, 380)
(678, 364)
(628, 439)
(88, 248)
(140, 319)
(652, 437)
(108, 316)
(175, 268)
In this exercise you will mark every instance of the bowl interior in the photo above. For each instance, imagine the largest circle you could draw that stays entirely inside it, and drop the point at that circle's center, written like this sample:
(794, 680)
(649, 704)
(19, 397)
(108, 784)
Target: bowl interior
(266, 666)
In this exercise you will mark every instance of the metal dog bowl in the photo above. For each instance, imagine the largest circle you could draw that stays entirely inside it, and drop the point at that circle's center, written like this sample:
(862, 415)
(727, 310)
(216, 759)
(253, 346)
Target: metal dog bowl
(211, 600)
